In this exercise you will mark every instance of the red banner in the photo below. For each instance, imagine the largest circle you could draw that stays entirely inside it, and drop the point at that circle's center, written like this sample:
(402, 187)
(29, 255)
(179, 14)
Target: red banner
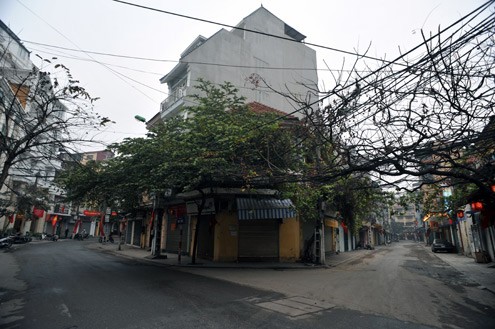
(38, 212)
(54, 220)
(344, 227)
(152, 218)
(91, 213)
(76, 227)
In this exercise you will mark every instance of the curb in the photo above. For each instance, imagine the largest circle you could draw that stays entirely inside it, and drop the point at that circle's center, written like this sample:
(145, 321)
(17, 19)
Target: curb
(148, 260)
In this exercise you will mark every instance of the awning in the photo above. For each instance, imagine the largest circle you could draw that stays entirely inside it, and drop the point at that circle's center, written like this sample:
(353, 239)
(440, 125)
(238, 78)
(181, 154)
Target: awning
(270, 208)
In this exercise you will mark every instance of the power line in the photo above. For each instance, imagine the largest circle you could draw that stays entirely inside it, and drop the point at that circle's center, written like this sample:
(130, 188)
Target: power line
(141, 71)
(65, 55)
(190, 62)
(422, 60)
(252, 31)
(387, 63)
(119, 75)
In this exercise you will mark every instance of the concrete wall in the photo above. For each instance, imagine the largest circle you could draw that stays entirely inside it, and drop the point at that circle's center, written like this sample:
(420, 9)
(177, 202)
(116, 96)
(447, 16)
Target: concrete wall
(289, 240)
(254, 51)
(226, 237)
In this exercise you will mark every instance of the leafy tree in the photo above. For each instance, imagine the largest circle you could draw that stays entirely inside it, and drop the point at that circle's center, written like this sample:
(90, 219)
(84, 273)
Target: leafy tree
(358, 199)
(218, 142)
(222, 143)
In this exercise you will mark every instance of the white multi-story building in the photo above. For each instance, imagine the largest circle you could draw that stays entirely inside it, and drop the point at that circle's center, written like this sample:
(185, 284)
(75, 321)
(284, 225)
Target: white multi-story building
(22, 89)
(259, 65)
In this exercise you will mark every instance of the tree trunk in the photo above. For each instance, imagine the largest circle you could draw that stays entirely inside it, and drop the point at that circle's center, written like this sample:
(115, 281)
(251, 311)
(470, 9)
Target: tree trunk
(5, 173)
(196, 231)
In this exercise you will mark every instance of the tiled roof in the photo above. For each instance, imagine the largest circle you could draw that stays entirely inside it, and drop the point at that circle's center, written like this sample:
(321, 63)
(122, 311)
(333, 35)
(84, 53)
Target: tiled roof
(261, 109)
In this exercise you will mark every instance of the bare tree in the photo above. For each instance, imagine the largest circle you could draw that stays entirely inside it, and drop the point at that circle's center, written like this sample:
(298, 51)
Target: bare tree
(427, 113)
(43, 112)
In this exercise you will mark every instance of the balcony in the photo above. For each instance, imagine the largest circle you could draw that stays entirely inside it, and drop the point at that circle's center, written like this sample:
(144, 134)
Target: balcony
(172, 102)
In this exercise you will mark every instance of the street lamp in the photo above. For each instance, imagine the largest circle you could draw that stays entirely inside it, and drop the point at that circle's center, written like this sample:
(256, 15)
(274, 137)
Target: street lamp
(140, 118)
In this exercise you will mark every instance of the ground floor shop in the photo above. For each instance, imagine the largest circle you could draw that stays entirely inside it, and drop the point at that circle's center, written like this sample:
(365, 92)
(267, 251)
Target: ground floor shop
(229, 229)
(476, 232)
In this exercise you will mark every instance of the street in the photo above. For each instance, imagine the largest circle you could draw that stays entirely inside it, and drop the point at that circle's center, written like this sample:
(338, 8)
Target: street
(66, 285)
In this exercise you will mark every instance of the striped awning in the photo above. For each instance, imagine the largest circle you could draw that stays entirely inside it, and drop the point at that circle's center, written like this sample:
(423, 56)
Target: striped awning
(248, 208)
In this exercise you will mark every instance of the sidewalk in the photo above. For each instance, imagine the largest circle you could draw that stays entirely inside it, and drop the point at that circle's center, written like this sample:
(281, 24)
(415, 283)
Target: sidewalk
(168, 259)
(482, 274)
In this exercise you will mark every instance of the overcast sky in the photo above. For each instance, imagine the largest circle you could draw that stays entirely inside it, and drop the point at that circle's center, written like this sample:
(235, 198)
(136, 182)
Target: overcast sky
(129, 87)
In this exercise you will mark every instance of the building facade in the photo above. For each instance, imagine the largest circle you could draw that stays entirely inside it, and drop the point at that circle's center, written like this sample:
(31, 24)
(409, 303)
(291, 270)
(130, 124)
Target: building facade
(22, 88)
(254, 63)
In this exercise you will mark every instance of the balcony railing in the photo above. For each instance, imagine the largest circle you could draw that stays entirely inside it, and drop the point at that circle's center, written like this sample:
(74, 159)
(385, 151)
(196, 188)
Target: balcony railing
(177, 95)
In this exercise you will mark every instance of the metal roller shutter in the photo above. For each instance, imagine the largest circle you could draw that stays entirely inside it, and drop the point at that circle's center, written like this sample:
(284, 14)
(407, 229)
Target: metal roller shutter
(259, 240)
(138, 229)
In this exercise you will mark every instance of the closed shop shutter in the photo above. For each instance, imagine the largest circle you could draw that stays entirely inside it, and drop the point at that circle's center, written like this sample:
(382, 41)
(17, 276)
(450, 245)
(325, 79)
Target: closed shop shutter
(259, 240)
(85, 225)
(206, 237)
(128, 232)
(137, 233)
(173, 235)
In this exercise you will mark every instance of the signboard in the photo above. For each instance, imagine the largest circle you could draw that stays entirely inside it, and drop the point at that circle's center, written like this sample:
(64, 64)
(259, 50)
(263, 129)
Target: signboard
(91, 213)
(38, 212)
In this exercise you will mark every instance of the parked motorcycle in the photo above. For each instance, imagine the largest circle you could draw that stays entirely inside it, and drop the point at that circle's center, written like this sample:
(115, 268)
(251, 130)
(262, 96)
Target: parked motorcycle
(5, 242)
(46, 236)
(18, 238)
(81, 236)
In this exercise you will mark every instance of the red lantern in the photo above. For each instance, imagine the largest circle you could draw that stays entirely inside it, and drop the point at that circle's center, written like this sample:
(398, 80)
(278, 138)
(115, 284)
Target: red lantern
(476, 206)
(460, 213)
(493, 188)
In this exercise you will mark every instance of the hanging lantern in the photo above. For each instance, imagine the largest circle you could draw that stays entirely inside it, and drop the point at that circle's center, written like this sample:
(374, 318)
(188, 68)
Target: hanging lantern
(460, 214)
(476, 206)
(493, 188)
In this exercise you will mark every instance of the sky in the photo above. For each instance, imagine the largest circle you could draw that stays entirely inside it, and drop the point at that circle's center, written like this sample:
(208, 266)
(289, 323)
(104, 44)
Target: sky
(129, 87)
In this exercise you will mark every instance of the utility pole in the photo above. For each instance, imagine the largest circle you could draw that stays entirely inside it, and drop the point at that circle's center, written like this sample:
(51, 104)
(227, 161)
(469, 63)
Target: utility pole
(155, 244)
(319, 245)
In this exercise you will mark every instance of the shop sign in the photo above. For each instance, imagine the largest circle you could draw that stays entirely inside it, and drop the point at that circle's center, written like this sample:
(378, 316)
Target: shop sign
(91, 213)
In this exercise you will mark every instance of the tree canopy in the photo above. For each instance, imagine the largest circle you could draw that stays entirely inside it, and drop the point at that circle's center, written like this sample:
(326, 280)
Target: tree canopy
(217, 142)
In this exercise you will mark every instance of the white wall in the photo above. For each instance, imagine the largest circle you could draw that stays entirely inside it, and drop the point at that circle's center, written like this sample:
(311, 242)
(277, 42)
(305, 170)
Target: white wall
(252, 51)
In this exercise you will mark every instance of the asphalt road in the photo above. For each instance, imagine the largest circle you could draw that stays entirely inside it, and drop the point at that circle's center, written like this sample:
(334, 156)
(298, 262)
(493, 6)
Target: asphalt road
(65, 285)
